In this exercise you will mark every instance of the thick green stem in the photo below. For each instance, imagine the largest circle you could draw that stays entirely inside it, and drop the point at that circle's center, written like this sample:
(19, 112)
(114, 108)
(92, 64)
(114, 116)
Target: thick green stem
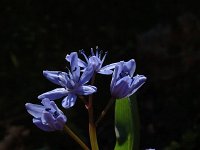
(92, 127)
(75, 137)
(92, 130)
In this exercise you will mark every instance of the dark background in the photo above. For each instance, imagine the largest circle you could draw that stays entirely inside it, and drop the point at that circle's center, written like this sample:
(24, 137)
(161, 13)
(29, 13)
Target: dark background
(162, 36)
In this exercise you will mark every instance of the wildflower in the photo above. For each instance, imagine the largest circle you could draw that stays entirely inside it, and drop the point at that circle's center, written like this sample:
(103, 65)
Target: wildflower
(47, 116)
(72, 83)
(123, 83)
(96, 61)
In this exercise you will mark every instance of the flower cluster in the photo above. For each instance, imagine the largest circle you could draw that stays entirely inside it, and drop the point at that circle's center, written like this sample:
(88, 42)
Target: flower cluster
(74, 83)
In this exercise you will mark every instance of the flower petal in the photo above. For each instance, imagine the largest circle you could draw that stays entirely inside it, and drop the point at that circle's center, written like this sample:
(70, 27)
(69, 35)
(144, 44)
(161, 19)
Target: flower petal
(87, 75)
(75, 69)
(121, 88)
(43, 127)
(54, 94)
(85, 90)
(54, 76)
(107, 69)
(96, 62)
(69, 100)
(47, 118)
(120, 70)
(139, 80)
(68, 57)
(60, 122)
(129, 67)
(55, 107)
(34, 110)
(58, 125)
(82, 63)
(46, 103)
(104, 71)
(62, 118)
(116, 74)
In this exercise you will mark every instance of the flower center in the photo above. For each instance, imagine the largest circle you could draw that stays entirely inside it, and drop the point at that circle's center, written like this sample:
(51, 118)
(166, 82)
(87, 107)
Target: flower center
(123, 74)
(55, 113)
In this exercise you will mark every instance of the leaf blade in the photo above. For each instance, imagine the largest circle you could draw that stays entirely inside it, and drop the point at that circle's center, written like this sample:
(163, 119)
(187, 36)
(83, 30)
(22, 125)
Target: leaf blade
(127, 124)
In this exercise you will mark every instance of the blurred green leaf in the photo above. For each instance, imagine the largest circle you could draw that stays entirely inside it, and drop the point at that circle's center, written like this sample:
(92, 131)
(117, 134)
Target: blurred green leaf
(14, 60)
(127, 124)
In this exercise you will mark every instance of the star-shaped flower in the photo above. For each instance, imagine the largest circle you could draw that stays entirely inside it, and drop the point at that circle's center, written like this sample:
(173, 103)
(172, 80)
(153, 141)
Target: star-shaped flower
(123, 83)
(96, 60)
(47, 116)
(72, 83)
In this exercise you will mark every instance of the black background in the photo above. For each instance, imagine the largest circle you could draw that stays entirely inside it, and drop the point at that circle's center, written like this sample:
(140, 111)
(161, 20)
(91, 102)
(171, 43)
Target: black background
(162, 36)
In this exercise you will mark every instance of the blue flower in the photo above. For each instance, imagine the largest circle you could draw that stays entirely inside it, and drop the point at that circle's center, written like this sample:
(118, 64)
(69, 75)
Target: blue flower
(47, 116)
(96, 60)
(72, 83)
(123, 83)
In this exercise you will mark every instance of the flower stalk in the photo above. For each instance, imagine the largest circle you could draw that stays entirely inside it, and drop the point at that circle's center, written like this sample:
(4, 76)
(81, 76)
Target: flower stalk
(92, 130)
(92, 127)
(75, 137)
(103, 113)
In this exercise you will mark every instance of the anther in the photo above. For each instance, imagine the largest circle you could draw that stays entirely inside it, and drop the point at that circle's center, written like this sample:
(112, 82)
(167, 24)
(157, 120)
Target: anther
(55, 114)
(92, 52)
(81, 51)
(74, 69)
(47, 109)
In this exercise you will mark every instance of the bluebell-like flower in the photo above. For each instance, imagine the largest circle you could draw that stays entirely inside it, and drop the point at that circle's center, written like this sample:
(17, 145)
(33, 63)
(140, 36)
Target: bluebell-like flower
(96, 60)
(72, 83)
(123, 83)
(47, 116)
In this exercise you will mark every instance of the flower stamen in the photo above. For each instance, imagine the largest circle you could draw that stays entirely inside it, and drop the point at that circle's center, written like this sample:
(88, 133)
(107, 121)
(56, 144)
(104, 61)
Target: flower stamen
(104, 57)
(83, 53)
(92, 52)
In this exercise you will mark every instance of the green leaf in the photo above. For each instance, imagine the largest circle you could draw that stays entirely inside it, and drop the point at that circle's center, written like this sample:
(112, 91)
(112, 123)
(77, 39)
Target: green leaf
(127, 124)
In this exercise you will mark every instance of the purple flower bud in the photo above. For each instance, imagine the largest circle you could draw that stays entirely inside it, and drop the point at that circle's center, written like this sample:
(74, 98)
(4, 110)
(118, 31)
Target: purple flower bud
(47, 116)
(123, 83)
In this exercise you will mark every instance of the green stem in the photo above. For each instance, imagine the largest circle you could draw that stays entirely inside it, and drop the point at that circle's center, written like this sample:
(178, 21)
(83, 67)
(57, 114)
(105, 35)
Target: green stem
(103, 113)
(75, 137)
(136, 122)
(92, 127)
(92, 130)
